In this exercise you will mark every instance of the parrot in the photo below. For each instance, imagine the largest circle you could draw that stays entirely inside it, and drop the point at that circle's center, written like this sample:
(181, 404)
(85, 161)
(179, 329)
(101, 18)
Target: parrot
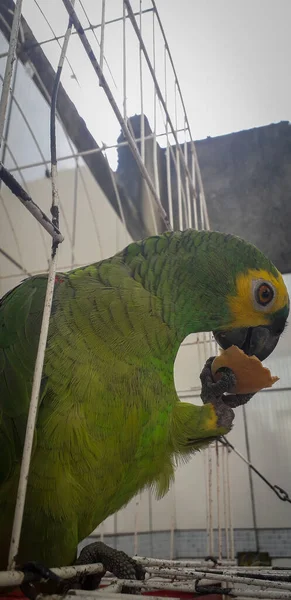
(110, 423)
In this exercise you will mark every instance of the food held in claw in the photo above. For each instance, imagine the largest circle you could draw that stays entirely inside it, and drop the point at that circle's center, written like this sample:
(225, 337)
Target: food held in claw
(249, 371)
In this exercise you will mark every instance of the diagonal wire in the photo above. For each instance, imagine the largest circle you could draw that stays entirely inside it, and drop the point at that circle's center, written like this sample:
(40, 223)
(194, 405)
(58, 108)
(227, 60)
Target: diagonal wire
(55, 38)
(91, 27)
(280, 492)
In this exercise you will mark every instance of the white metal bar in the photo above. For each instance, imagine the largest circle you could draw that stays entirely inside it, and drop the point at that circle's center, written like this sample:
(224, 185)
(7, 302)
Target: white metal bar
(219, 577)
(124, 81)
(142, 144)
(189, 220)
(9, 65)
(210, 501)
(231, 532)
(15, 578)
(136, 523)
(32, 415)
(226, 527)
(155, 157)
(217, 447)
(168, 158)
(117, 194)
(33, 408)
(75, 205)
(184, 586)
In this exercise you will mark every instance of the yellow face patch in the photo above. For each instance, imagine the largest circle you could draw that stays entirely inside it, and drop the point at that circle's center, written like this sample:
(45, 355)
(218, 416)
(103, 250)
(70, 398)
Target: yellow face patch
(243, 306)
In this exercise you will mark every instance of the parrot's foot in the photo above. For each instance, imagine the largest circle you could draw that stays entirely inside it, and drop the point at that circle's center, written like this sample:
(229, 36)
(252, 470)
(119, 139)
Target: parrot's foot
(115, 561)
(33, 573)
(214, 392)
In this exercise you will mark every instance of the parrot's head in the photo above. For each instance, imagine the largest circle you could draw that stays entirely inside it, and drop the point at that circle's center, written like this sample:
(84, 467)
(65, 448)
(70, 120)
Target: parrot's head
(257, 306)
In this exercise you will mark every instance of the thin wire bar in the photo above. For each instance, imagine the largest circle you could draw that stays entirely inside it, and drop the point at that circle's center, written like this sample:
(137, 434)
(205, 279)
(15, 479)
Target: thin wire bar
(85, 29)
(56, 39)
(251, 482)
(173, 523)
(226, 527)
(10, 221)
(102, 148)
(168, 158)
(199, 177)
(205, 470)
(36, 383)
(75, 204)
(92, 28)
(136, 523)
(231, 533)
(142, 145)
(179, 184)
(218, 500)
(118, 198)
(13, 262)
(210, 501)
(124, 126)
(158, 89)
(9, 113)
(151, 521)
(115, 530)
(27, 201)
(44, 161)
(9, 65)
(124, 80)
(189, 213)
(194, 197)
(102, 35)
(155, 149)
(13, 185)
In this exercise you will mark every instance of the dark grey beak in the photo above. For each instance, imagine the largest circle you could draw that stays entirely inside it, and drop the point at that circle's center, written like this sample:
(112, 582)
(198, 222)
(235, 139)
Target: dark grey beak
(254, 341)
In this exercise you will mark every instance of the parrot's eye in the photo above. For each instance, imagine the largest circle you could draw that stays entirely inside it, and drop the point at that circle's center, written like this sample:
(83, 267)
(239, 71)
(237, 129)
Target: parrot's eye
(264, 294)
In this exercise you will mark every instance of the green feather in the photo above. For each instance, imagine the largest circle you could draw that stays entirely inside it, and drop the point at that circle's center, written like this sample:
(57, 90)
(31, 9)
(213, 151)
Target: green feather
(109, 420)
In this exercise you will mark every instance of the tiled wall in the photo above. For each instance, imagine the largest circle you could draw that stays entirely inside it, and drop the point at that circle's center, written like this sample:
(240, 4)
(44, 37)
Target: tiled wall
(193, 543)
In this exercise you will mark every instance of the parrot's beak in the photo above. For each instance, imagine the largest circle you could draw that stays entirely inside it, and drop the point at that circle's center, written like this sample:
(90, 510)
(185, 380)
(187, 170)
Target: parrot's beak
(254, 341)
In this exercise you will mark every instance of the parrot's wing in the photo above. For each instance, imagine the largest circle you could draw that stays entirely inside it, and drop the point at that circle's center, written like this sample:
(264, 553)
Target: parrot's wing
(20, 320)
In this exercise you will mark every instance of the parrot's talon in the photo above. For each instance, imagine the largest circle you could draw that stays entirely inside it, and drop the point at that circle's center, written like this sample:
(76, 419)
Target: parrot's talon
(212, 392)
(115, 561)
(34, 571)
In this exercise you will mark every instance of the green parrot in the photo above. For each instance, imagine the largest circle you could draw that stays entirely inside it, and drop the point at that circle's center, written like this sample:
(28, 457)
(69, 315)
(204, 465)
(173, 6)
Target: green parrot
(110, 423)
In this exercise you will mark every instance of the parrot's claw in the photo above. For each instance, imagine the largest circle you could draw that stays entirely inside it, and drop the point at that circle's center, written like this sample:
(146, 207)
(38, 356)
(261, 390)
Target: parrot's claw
(115, 561)
(214, 392)
(33, 573)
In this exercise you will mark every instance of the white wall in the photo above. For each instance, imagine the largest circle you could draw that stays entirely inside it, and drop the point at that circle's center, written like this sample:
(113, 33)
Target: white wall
(99, 232)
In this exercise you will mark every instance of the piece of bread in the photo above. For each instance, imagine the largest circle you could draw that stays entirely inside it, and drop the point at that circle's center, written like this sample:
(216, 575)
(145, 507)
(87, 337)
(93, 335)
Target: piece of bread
(250, 374)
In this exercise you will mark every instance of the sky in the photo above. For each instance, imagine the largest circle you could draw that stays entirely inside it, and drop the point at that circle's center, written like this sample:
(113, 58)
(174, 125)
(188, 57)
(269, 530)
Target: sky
(232, 59)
